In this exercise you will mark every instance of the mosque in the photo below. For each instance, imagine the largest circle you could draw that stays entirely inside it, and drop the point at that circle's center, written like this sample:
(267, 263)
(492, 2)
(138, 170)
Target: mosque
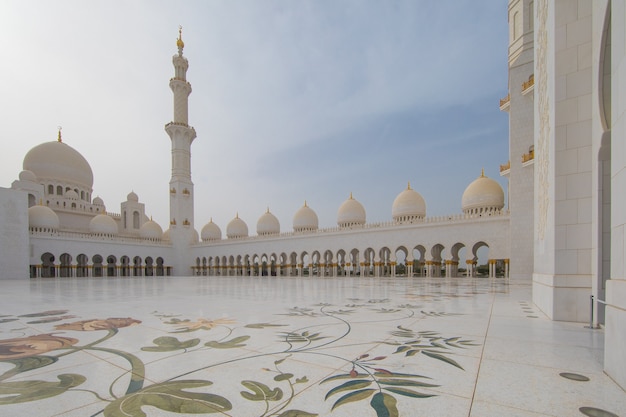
(562, 227)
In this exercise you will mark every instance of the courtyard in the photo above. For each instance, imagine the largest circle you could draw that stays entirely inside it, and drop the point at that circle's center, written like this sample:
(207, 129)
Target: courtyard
(288, 347)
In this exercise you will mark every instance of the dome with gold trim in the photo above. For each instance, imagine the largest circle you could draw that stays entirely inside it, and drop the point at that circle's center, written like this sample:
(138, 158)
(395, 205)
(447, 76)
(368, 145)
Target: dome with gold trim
(236, 228)
(351, 213)
(267, 224)
(408, 206)
(305, 219)
(59, 162)
(211, 232)
(483, 196)
(151, 230)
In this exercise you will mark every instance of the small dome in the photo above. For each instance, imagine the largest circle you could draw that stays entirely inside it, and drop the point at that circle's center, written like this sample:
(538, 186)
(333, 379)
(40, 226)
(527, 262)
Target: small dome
(236, 228)
(132, 197)
(166, 235)
(210, 231)
(267, 224)
(27, 175)
(408, 205)
(98, 201)
(103, 225)
(71, 195)
(151, 230)
(483, 195)
(43, 218)
(59, 161)
(351, 213)
(305, 219)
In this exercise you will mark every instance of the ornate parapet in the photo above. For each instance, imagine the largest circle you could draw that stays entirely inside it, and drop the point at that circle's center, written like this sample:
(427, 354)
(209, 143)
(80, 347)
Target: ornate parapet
(527, 157)
(527, 86)
(505, 103)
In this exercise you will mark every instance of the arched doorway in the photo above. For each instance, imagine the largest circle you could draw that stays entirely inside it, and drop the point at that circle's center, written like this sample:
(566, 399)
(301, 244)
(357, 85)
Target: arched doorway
(47, 265)
(65, 269)
(97, 265)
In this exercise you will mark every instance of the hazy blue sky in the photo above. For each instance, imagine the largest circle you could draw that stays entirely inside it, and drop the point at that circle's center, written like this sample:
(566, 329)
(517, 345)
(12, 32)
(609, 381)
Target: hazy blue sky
(291, 100)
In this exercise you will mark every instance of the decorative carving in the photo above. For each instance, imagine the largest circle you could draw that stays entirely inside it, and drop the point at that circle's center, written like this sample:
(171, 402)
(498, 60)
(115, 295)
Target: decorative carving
(528, 156)
(543, 108)
(505, 100)
(527, 84)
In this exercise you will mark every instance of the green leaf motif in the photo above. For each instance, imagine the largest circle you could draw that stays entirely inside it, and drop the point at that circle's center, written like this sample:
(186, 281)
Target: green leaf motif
(303, 337)
(408, 393)
(385, 405)
(441, 357)
(31, 362)
(399, 375)
(25, 391)
(45, 313)
(229, 344)
(349, 386)
(296, 413)
(302, 380)
(260, 392)
(263, 325)
(169, 344)
(404, 383)
(169, 396)
(354, 396)
(283, 377)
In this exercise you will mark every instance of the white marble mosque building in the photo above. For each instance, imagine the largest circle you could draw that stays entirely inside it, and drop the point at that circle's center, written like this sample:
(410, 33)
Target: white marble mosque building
(563, 226)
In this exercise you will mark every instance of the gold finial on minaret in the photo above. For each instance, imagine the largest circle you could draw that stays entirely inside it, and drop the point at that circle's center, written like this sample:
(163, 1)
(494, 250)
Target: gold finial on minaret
(482, 173)
(408, 187)
(351, 196)
(179, 42)
(59, 134)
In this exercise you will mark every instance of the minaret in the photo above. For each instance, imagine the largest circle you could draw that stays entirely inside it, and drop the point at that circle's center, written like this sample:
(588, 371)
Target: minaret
(181, 188)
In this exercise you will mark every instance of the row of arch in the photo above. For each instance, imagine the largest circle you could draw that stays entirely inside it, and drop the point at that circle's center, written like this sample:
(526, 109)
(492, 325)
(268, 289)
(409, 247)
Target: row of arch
(59, 191)
(98, 266)
(418, 261)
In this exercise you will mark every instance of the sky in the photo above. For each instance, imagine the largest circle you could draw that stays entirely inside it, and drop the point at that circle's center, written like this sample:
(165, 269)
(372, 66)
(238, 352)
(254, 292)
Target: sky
(291, 101)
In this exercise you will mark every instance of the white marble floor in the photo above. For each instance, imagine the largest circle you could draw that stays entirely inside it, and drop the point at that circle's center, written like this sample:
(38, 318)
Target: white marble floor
(294, 347)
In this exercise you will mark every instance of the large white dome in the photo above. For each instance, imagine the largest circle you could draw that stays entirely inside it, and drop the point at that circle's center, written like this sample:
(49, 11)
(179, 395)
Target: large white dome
(43, 219)
(409, 205)
(267, 224)
(236, 228)
(151, 230)
(483, 195)
(211, 231)
(305, 219)
(351, 213)
(60, 162)
(103, 225)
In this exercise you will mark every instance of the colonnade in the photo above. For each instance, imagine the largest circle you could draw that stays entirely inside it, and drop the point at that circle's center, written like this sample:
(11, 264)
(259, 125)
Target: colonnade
(430, 268)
